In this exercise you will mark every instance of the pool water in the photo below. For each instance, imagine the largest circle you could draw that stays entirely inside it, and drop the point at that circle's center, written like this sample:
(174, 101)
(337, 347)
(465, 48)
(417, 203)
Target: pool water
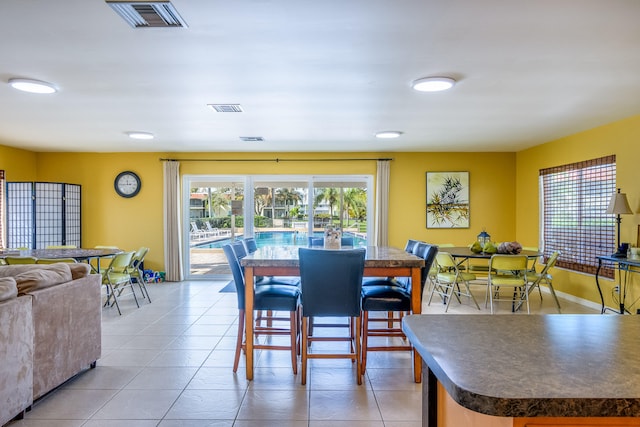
(281, 238)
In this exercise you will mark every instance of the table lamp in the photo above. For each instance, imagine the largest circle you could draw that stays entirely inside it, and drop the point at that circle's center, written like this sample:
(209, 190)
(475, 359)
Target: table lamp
(619, 205)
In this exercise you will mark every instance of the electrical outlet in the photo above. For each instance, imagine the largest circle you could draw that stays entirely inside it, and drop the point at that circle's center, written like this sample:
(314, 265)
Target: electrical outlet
(616, 288)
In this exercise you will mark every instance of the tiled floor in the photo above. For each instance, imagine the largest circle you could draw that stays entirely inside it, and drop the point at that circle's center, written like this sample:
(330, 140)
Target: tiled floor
(168, 364)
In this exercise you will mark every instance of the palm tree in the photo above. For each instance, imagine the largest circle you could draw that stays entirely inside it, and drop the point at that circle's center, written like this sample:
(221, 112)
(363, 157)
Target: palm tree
(286, 195)
(220, 201)
(355, 203)
(329, 195)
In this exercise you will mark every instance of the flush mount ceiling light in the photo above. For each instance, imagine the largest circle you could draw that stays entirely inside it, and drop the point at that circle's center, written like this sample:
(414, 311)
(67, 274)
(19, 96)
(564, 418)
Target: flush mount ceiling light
(433, 84)
(140, 135)
(388, 134)
(32, 86)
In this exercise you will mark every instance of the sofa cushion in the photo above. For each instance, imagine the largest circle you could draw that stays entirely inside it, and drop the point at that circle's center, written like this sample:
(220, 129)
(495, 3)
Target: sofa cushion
(8, 288)
(44, 277)
(79, 270)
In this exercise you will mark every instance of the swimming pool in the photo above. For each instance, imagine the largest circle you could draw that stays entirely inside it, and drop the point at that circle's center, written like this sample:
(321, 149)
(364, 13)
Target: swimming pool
(280, 238)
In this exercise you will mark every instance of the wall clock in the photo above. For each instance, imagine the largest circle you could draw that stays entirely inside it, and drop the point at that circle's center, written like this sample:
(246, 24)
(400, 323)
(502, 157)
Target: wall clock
(127, 184)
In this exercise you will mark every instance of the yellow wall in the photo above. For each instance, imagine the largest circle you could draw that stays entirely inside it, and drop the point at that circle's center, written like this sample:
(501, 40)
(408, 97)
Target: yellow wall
(19, 165)
(129, 223)
(619, 138)
(492, 194)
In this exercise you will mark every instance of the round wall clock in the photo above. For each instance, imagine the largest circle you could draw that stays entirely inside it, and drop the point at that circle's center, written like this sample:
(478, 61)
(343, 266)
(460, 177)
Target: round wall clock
(127, 184)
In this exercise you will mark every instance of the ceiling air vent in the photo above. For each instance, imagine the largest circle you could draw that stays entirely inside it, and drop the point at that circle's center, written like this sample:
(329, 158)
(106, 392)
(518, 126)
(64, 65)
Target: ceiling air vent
(141, 14)
(251, 138)
(227, 108)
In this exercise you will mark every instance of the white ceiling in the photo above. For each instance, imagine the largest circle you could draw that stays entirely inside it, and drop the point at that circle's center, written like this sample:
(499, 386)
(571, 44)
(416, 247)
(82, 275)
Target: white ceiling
(318, 75)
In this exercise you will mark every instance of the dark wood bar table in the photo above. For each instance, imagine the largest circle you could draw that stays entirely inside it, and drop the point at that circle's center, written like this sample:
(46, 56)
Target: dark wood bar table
(537, 370)
(283, 261)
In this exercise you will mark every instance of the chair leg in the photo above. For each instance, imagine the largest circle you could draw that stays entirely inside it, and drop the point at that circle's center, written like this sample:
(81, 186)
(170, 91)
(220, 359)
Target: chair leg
(239, 340)
(293, 317)
(555, 297)
(305, 338)
(115, 298)
(359, 349)
(365, 339)
(135, 298)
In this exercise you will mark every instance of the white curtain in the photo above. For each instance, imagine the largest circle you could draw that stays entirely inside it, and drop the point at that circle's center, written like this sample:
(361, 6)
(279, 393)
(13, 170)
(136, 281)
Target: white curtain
(382, 204)
(172, 238)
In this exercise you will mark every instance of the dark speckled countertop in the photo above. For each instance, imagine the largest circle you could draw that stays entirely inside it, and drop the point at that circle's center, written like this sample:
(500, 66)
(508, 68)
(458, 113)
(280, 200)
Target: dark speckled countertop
(558, 365)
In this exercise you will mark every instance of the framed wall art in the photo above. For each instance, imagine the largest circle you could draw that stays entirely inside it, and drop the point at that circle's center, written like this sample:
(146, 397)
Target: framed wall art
(447, 199)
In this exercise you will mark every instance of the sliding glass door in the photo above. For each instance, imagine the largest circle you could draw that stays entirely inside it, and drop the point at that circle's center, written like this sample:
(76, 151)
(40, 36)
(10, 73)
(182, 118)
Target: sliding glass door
(276, 210)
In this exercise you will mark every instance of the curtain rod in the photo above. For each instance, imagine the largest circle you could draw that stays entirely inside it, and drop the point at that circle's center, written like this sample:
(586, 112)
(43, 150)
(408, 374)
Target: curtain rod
(276, 160)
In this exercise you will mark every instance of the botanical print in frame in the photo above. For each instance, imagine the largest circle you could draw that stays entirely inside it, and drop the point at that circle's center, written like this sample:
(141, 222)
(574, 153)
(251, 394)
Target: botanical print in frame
(447, 199)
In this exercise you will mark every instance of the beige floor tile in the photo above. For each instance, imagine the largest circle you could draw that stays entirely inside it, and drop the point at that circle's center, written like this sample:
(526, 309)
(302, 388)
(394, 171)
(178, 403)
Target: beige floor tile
(196, 423)
(400, 405)
(68, 404)
(46, 423)
(151, 342)
(273, 378)
(322, 378)
(344, 405)
(217, 319)
(206, 405)
(121, 423)
(184, 357)
(217, 330)
(228, 342)
(333, 423)
(275, 405)
(392, 379)
(164, 329)
(165, 378)
(218, 379)
(264, 423)
(138, 405)
(104, 377)
(223, 359)
(175, 319)
(403, 424)
(129, 357)
(195, 342)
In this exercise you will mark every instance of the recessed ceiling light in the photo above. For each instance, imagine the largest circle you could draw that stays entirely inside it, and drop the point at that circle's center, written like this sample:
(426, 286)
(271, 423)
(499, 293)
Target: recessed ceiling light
(388, 134)
(32, 86)
(433, 84)
(140, 135)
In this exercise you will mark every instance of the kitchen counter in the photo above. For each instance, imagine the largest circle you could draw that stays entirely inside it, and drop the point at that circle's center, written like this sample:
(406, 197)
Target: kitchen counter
(533, 366)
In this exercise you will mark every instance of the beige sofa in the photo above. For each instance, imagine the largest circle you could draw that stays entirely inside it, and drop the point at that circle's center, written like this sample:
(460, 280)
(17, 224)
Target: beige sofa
(50, 330)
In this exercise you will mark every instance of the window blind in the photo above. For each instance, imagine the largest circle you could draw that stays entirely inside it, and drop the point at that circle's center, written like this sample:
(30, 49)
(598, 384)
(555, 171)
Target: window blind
(574, 200)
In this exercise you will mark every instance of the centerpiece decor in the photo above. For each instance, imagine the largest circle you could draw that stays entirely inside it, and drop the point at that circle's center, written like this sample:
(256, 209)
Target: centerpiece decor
(332, 237)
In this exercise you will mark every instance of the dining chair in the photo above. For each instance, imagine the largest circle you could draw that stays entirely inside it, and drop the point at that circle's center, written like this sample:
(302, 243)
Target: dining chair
(117, 279)
(331, 282)
(449, 279)
(267, 297)
(393, 297)
(250, 244)
(508, 271)
(408, 247)
(137, 273)
(544, 277)
(532, 261)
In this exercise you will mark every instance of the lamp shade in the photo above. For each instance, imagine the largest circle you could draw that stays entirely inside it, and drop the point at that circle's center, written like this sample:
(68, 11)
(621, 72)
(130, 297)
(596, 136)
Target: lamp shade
(619, 204)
